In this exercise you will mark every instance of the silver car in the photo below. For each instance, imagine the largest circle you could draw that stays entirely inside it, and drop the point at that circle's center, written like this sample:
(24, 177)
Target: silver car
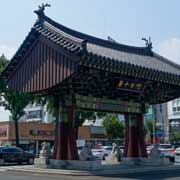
(103, 152)
(177, 151)
(167, 150)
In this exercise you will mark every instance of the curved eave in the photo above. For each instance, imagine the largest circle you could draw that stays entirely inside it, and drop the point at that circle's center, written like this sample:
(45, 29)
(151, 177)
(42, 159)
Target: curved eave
(24, 47)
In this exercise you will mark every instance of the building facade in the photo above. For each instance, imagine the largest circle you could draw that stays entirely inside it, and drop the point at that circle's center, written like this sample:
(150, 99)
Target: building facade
(159, 114)
(37, 112)
(31, 134)
(162, 121)
(174, 116)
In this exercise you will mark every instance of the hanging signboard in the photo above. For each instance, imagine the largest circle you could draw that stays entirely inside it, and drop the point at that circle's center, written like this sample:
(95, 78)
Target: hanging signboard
(130, 85)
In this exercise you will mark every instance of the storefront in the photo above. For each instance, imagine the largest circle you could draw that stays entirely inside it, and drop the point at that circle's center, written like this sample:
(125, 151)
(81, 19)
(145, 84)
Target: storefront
(31, 134)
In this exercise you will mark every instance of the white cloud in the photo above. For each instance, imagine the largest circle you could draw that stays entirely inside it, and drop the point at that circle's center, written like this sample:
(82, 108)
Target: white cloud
(4, 114)
(170, 49)
(7, 51)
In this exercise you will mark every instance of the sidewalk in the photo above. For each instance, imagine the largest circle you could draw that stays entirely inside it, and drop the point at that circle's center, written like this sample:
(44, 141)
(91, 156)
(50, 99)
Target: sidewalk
(113, 170)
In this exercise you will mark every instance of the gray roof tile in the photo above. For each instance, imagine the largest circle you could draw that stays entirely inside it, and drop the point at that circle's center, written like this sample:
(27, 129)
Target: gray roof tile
(155, 62)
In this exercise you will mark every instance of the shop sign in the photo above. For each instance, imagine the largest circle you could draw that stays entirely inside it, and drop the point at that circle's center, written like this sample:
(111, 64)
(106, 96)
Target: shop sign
(131, 85)
(40, 133)
(3, 132)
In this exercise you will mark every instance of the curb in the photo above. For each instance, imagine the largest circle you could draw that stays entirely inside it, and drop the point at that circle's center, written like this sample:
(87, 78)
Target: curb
(93, 173)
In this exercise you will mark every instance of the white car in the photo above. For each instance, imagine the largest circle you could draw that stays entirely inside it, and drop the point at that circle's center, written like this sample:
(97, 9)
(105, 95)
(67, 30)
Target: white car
(177, 151)
(122, 149)
(102, 152)
(148, 148)
(167, 150)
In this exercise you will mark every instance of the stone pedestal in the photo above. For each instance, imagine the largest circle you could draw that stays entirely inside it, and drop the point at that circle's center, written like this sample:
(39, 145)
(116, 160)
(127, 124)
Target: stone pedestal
(58, 164)
(84, 165)
(67, 164)
(41, 162)
(146, 161)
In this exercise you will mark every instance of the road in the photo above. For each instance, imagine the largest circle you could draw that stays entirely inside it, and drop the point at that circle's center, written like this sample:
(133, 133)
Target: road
(165, 175)
(168, 175)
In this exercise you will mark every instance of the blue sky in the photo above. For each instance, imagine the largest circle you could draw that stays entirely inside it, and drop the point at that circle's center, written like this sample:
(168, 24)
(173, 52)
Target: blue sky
(127, 21)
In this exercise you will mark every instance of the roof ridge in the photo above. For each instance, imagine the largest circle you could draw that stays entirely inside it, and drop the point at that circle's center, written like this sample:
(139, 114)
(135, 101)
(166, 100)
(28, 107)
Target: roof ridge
(96, 40)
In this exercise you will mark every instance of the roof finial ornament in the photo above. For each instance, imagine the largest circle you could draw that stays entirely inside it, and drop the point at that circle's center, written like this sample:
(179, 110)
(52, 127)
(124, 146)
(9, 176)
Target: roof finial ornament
(41, 9)
(148, 42)
(110, 39)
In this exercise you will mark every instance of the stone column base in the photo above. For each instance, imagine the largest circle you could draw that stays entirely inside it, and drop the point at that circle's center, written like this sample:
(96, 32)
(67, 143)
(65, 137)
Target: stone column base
(84, 165)
(41, 162)
(67, 164)
(146, 161)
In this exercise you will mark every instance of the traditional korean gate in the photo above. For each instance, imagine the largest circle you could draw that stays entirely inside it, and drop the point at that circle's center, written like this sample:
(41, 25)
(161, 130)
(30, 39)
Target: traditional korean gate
(85, 72)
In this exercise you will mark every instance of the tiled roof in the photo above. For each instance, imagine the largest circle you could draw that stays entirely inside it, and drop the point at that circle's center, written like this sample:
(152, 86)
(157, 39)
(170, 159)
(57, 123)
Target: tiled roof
(154, 62)
(70, 43)
(112, 53)
(139, 56)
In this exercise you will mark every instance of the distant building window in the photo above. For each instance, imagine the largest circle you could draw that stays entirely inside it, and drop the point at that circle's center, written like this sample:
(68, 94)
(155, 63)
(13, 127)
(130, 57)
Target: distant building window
(178, 108)
(174, 109)
(34, 114)
(174, 103)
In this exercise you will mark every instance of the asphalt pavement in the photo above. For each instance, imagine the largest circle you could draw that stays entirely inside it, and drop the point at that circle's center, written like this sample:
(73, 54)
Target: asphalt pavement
(168, 175)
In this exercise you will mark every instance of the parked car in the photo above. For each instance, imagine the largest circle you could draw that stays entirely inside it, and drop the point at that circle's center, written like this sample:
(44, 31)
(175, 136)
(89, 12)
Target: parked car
(102, 152)
(79, 149)
(177, 151)
(167, 150)
(122, 149)
(15, 155)
(148, 148)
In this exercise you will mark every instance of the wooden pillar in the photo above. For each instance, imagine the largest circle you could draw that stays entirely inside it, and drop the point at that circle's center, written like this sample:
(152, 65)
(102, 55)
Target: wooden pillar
(134, 136)
(65, 142)
(72, 146)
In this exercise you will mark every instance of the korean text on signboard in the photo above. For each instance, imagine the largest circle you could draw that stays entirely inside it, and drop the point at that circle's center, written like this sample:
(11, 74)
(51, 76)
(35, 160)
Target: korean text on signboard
(130, 85)
(40, 133)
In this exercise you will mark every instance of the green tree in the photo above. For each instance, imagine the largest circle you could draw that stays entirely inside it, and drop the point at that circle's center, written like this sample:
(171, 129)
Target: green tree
(175, 138)
(149, 127)
(13, 101)
(3, 62)
(113, 126)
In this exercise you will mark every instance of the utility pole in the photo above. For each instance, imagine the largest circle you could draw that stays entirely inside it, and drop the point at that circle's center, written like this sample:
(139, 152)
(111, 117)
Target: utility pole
(154, 129)
(154, 132)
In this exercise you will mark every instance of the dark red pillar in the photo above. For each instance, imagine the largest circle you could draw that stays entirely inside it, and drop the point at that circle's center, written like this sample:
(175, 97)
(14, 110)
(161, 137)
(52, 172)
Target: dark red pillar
(65, 142)
(134, 136)
(72, 153)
